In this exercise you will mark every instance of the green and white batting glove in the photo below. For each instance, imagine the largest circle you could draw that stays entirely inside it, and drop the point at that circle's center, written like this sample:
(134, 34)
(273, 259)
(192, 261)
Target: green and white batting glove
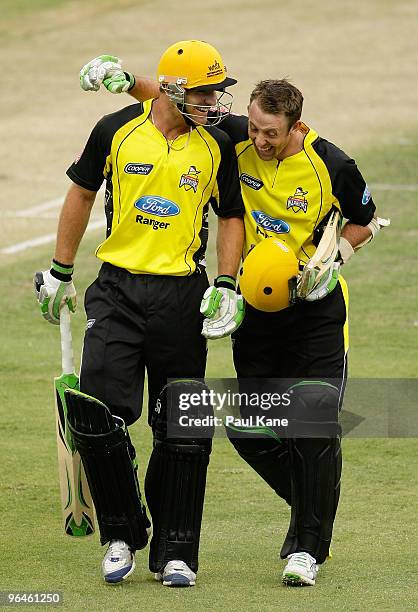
(326, 284)
(223, 308)
(54, 288)
(119, 83)
(106, 69)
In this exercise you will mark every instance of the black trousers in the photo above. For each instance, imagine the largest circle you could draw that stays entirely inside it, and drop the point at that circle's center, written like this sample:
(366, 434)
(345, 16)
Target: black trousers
(138, 322)
(304, 342)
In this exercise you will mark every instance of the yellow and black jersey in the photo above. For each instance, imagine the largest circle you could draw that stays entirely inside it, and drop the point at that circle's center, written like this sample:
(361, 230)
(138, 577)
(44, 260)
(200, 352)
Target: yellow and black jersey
(292, 198)
(157, 195)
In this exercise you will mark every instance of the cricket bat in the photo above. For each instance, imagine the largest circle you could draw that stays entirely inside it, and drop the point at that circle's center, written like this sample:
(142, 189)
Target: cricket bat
(76, 502)
(324, 256)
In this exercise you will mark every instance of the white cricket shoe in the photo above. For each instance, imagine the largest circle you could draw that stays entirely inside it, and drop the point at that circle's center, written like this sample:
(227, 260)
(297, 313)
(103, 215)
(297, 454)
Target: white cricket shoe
(176, 574)
(301, 569)
(118, 562)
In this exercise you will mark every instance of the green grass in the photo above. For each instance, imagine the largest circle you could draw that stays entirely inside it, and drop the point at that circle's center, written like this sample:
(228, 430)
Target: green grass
(382, 277)
(374, 565)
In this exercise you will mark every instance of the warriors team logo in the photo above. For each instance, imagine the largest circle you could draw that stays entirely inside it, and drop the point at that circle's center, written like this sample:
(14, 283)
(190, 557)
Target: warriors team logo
(297, 201)
(190, 180)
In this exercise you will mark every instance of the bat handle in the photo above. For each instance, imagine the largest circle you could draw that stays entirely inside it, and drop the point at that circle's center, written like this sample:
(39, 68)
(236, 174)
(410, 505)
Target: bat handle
(67, 354)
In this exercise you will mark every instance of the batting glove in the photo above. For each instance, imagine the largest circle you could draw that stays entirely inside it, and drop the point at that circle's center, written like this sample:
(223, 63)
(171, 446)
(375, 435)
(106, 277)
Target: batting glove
(106, 69)
(119, 83)
(54, 288)
(223, 308)
(327, 283)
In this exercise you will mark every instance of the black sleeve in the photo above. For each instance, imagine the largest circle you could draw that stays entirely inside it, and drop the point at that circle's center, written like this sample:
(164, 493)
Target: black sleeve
(87, 170)
(348, 185)
(228, 201)
(353, 194)
(236, 126)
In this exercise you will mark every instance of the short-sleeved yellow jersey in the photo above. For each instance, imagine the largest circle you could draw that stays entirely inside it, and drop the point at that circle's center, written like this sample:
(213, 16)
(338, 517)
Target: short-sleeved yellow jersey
(292, 198)
(158, 195)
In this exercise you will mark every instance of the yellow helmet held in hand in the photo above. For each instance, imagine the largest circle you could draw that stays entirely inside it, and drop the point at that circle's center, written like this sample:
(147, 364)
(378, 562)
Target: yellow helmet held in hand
(265, 275)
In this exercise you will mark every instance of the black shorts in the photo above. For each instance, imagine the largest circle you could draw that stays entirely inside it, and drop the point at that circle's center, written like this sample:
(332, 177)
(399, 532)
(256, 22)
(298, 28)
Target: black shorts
(303, 341)
(137, 322)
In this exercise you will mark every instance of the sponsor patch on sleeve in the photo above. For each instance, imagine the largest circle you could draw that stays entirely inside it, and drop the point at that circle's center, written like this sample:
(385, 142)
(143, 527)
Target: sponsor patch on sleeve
(366, 196)
(77, 157)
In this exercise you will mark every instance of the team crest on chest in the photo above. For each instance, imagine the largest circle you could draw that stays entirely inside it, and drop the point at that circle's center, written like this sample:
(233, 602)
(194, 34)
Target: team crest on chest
(190, 180)
(297, 201)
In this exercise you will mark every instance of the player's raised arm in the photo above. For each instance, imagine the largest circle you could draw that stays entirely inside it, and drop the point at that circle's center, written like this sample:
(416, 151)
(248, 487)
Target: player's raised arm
(107, 70)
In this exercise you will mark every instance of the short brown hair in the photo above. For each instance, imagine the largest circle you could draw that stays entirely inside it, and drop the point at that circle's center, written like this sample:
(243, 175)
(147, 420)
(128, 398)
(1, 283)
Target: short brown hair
(278, 97)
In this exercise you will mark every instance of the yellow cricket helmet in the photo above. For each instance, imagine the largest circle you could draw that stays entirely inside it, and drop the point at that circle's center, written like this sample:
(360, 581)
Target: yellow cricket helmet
(191, 65)
(265, 275)
(194, 64)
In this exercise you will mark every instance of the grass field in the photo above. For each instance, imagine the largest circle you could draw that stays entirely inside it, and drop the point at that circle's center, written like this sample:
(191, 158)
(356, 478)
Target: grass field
(374, 566)
(375, 546)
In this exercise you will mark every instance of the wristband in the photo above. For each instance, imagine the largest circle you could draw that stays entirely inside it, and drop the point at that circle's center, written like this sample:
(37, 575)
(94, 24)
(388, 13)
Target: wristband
(63, 272)
(345, 250)
(131, 78)
(226, 281)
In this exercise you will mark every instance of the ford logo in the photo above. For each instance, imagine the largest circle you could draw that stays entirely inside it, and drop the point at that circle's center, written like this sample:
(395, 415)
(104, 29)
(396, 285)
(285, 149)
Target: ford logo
(155, 205)
(270, 224)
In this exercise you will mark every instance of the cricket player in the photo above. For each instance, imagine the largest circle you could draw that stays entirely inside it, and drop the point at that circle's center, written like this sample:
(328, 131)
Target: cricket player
(162, 167)
(292, 180)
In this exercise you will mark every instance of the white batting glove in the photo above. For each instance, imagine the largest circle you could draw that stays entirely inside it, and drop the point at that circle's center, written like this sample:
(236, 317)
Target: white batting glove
(52, 292)
(223, 308)
(98, 69)
(327, 283)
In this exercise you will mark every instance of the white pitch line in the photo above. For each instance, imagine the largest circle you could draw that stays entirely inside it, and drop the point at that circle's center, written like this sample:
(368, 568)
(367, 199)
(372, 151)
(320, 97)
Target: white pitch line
(45, 215)
(40, 208)
(29, 244)
(39, 211)
(36, 212)
(32, 211)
